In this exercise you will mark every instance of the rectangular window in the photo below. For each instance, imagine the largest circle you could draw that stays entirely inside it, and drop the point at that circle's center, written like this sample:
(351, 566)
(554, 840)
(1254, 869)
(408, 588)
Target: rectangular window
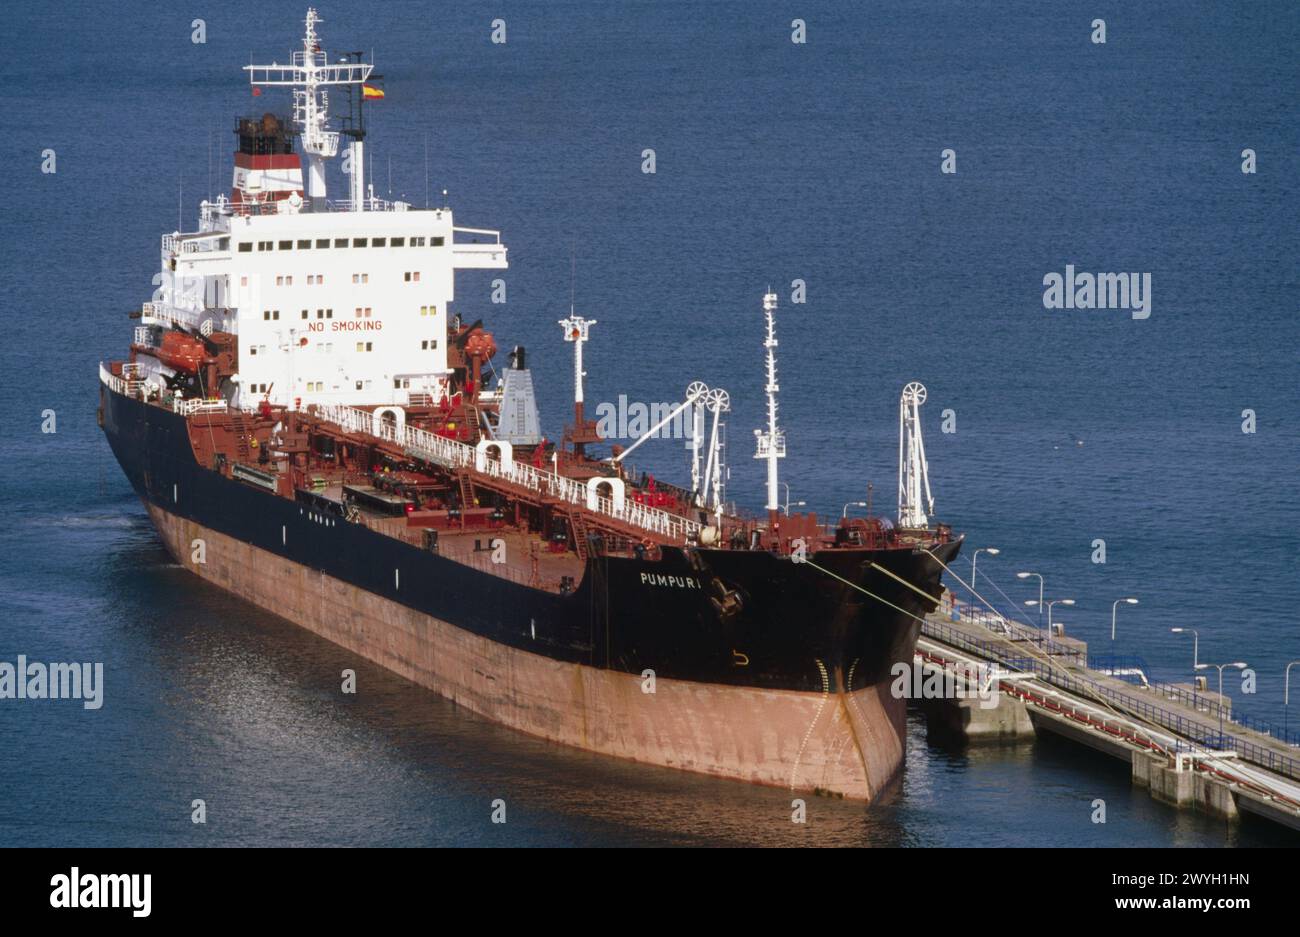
(379, 242)
(252, 349)
(437, 242)
(288, 281)
(304, 244)
(417, 242)
(365, 278)
(356, 278)
(320, 313)
(361, 346)
(370, 346)
(359, 242)
(266, 314)
(322, 243)
(245, 246)
(340, 242)
(275, 314)
(329, 313)
(399, 242)
(304, 313)
(416, 276)
(367, 312)
(286, 245)
(279, 281)
(263, 245)
(407, 276)
(358, 385)
(357, 313)
(243, 281)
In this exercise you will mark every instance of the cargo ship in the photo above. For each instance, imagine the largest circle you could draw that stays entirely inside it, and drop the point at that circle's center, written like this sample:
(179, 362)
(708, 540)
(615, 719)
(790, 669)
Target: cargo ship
(312, 427)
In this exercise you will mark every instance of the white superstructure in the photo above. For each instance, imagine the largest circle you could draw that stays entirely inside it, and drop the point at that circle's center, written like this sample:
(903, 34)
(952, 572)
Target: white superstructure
(331, 302)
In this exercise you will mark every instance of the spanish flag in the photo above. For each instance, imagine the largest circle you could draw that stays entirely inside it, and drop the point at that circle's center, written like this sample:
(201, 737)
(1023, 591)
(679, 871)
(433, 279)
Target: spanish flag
(370, 93)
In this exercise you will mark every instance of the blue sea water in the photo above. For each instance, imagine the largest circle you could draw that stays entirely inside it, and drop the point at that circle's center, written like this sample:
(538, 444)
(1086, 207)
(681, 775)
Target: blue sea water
(775, 162)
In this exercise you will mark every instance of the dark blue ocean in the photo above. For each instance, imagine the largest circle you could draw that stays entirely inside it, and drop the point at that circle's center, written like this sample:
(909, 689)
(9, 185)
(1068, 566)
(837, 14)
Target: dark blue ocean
(775, 162)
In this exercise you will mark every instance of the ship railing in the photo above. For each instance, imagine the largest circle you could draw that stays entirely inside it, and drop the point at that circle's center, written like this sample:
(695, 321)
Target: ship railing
(457, 455)
(145, 336)
(197, 242)
(199, 405)
(128, 386)
(476, 233)
(164, 312)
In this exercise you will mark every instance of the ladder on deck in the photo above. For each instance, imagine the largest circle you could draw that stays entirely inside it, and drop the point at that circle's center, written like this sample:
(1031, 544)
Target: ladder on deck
(240, 428)
(580, 542)
(466, 491)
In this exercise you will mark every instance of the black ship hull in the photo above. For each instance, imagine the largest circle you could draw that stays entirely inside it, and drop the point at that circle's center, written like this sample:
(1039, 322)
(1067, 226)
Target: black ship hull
(719, 619)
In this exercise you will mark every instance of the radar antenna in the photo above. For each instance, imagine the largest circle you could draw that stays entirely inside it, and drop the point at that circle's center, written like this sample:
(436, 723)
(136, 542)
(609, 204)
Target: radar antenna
(310, 74)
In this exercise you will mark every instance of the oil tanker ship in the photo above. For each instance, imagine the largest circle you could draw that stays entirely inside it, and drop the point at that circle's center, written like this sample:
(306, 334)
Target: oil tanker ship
(311, 427)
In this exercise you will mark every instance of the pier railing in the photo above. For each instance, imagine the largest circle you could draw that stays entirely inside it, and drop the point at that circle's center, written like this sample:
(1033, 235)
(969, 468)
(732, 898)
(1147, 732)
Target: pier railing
(457, 455)
(1206, 734)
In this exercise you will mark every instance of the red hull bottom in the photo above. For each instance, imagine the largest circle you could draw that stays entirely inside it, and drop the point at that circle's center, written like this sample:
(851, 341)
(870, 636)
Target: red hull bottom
(841, 744)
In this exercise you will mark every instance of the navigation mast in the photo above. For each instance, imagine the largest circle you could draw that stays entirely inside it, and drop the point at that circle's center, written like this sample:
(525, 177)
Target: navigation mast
(771, 444)
(310, 75)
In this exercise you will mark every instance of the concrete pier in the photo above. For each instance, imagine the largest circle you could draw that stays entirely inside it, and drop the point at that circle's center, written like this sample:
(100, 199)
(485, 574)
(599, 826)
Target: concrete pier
(1159, 729)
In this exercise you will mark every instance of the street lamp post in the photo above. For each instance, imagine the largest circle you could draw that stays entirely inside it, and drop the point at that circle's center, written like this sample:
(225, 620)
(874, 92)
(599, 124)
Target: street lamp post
(1114, 608)
(1286, 697)
(851, 504)
(991, 551)
(1196, 642)
(1240, 665)
(797, 504)
(1050, 603)
(1040, 591)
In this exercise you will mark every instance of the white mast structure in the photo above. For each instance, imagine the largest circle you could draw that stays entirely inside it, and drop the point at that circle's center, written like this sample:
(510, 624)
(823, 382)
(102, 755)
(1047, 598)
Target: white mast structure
(717, 401)
(576, 329)
(913, 470)
(771, 444)
(309, 74)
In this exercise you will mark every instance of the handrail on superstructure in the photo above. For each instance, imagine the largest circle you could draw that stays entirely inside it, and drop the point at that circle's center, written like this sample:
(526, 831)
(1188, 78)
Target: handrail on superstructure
(457, 455)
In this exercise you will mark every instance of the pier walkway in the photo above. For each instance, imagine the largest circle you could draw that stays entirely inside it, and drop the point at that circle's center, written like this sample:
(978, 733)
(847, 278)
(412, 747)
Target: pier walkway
(1170, 733)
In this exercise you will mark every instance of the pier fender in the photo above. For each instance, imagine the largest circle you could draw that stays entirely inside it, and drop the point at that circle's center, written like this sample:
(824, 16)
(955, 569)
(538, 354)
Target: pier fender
(505, 452)
(381, 413)
(616, 492)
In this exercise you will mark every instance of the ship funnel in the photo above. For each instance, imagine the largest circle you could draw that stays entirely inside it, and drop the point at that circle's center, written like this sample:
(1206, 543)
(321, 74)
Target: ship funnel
(913, 470)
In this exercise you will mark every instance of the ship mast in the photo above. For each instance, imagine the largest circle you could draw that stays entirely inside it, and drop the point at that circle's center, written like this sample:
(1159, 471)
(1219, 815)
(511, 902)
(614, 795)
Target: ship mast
(309, 74)
(771, 444)
(576, 330)
(913, 470)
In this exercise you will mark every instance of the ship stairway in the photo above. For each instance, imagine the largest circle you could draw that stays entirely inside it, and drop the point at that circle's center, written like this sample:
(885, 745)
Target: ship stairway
(581, 541)
(475, 424)
(466, 491)
(240, 429)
